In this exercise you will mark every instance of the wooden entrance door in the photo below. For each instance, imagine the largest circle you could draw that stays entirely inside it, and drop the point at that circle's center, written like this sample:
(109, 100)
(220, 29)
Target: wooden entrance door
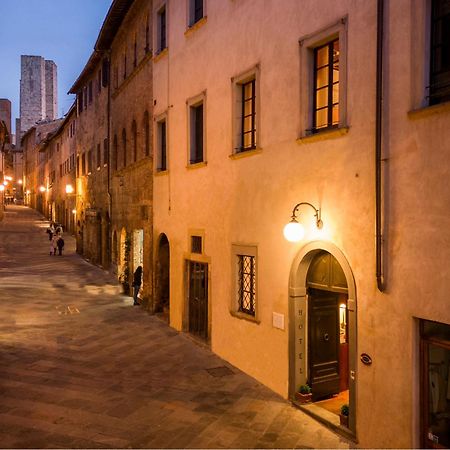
(323, 334)
(198, 299)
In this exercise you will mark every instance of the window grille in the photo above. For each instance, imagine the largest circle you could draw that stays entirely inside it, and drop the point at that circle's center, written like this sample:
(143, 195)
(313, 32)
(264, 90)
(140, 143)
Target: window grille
(326, 86)
(196, 244)
(246, 284)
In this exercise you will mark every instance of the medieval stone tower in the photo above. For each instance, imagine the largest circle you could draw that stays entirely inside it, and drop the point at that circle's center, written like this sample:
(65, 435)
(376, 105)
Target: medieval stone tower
(38, 91)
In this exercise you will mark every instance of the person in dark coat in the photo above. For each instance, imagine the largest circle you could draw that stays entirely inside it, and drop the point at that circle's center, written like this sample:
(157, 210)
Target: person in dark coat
(60, 245)
(137, 281)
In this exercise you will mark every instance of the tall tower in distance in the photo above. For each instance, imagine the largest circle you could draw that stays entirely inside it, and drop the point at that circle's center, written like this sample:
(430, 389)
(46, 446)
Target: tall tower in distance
(38, 91)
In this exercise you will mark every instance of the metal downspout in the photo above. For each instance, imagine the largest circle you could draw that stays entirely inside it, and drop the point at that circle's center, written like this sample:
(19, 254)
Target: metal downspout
(378, 147)
(108, 137)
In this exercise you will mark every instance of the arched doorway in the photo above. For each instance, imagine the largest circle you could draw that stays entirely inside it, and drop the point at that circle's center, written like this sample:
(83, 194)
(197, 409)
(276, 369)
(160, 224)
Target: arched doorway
(322, 327)
(162, 304)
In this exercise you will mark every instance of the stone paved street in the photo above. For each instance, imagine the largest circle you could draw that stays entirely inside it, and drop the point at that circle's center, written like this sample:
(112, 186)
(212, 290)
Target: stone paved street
(80, 367)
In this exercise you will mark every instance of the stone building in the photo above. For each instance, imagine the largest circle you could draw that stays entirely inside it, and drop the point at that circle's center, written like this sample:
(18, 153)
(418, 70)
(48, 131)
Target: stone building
(59, 150)
(38, 92)
(92, 160)
(270, 110)
(38, 174)
(114, 125)
(131, 149)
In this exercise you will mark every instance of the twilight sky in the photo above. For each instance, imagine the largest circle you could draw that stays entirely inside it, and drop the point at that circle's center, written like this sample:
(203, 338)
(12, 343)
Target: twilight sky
(64, 31)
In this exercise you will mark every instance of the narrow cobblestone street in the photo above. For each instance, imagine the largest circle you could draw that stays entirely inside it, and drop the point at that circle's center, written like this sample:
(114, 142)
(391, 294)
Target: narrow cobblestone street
(82, 368)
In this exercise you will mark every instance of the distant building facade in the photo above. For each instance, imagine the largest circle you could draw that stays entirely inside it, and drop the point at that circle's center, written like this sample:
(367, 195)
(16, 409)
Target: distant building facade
(38, 91)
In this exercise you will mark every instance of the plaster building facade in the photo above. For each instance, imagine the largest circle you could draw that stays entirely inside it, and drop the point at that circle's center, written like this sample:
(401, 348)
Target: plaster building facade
(38, 92)
(252, 118)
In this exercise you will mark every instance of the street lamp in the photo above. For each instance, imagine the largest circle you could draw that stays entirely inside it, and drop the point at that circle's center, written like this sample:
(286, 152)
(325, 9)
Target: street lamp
(294, 231)
(42, 189)
(69, 189)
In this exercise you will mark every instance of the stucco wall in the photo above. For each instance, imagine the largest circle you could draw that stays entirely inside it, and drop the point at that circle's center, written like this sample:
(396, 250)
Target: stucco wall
(249, 200)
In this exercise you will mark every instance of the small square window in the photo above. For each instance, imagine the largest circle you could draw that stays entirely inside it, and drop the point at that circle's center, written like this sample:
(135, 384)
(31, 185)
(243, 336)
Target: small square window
(196, 244)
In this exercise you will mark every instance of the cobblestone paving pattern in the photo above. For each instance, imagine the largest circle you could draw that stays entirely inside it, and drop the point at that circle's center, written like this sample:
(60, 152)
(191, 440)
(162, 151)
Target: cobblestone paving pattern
(80, 367)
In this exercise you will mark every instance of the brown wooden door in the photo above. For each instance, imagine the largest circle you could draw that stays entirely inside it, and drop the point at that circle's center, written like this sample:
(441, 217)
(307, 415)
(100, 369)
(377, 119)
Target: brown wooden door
(323, 334)
(198, 299)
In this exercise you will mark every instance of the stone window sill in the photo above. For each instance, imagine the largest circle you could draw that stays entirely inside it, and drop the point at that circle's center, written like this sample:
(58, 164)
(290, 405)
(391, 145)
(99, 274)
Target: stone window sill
(323, 135)
(244, 154)
(195, 26)
(198, 165)
(160, 172)
(243, 316)
(160, 55)
(429, 110)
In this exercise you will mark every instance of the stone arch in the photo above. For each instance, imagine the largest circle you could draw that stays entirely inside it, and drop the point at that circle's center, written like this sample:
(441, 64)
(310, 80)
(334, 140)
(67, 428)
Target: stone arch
(298, 336)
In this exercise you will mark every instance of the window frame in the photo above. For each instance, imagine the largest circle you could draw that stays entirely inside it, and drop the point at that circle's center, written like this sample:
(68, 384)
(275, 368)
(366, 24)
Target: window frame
(192, 8)
(238, 251)
(436, 98)
(161, 34)
(238, 86)
(161, 165)
(307, 46)
(192, 130)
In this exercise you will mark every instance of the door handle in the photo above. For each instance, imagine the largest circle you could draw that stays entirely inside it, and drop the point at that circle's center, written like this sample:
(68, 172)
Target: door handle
(326, 337)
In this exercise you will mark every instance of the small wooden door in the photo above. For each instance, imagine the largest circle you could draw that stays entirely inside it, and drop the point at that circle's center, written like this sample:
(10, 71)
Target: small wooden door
(323, 333)
(198, 299)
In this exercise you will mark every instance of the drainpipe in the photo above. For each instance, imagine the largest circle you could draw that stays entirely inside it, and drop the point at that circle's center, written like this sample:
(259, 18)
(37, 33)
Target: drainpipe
(378, 147)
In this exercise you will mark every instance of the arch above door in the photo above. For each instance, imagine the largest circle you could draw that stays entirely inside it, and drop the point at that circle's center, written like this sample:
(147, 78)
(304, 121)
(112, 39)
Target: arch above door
(298, 319)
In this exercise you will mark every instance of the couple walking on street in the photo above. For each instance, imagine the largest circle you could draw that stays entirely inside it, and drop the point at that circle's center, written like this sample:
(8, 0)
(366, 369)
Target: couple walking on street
(54, 232)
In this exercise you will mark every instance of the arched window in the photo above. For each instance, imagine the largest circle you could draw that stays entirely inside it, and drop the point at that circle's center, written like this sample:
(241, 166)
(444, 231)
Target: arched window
(124, 147)
(146, 133)
(134, 137)
(115, 156)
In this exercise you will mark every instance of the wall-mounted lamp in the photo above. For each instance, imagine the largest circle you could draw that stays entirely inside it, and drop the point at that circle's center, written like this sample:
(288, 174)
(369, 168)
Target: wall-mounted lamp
(69, 189)
(20, 181)
(294, 231)
(2, 187)
(74, 211)
(42, 188)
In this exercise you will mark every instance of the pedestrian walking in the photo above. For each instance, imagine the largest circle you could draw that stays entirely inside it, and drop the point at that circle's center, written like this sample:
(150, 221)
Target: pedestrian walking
(54, 245)
(137, 281)
(50, 231)
(60, 245)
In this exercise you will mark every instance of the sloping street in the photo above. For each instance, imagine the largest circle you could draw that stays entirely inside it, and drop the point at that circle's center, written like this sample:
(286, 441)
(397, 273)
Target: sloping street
(80, 367)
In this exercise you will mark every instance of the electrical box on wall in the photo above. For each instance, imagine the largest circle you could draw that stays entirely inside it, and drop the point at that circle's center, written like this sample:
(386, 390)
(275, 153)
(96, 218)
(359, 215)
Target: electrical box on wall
(278, 320)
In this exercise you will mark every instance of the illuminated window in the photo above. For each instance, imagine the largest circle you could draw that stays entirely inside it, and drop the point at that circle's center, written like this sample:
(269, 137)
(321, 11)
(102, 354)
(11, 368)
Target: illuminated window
(245, 124)
(326, 86)
(248, 116)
